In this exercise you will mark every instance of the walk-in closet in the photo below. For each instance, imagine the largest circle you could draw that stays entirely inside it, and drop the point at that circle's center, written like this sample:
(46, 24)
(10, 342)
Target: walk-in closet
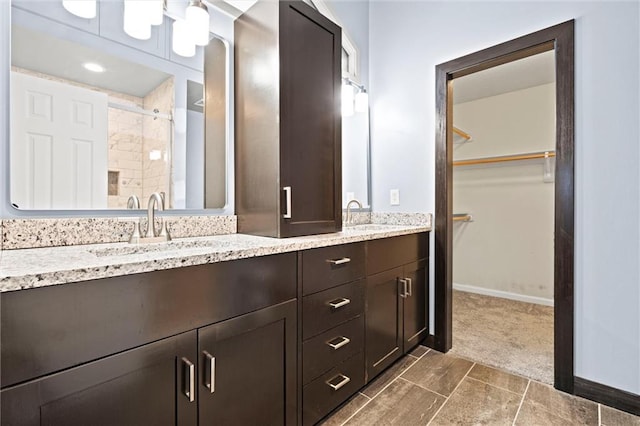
(503, 203)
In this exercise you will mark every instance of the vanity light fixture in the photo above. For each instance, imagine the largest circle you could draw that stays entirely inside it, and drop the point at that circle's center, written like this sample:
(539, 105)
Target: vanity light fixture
(348, 93)
(137, 22)
(183, 43)
(92, 66)
(82, 8)
(197, 17)
(353, 101)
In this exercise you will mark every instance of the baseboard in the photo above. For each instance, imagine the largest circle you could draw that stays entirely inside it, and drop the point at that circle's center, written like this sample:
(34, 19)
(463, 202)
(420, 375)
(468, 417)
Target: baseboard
(503, 294)
(616, 398)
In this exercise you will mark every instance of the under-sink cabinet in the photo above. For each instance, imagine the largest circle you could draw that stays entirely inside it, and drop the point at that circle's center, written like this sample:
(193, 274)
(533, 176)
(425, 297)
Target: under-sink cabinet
(397, 299)
(214, 342)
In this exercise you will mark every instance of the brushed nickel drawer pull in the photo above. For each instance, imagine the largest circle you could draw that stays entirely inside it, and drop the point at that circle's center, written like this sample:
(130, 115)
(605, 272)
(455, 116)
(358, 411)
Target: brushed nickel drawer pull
(340, 384)
(210, 371)
(339, 303)
(339, 261)
(287, 194)
(404, 292)
(189, 378)
(343, 341)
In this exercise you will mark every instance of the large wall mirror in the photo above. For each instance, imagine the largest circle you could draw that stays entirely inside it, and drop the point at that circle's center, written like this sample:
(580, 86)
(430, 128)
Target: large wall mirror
(98, 116)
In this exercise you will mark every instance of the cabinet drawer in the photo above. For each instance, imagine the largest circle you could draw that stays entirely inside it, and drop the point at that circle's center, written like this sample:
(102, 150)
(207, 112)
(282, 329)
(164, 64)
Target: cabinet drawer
(319, 397)
(388, 253)
(328, 267)
(332, 347)
(329, 308)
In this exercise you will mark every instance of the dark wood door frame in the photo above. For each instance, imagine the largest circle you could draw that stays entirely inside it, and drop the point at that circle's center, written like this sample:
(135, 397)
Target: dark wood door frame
(561, 39)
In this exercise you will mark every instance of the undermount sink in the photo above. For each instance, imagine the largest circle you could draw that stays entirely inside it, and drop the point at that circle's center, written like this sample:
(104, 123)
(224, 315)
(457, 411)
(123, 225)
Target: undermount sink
(156, 247)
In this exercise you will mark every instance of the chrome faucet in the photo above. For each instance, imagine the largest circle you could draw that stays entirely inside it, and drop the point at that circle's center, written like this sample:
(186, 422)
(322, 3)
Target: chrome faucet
(134, 203)
(156, 201)
(349, 218)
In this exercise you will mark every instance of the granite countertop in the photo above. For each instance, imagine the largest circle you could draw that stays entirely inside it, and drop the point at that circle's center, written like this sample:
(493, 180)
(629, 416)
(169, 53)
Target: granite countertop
(41, 267)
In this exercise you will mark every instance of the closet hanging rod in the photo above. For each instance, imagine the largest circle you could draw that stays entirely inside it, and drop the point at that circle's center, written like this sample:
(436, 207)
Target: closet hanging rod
(459, 132)
(518, 157)
(462, 217)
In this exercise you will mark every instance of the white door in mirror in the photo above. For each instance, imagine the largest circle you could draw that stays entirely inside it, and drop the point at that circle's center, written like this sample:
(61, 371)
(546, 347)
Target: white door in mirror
(58, 145)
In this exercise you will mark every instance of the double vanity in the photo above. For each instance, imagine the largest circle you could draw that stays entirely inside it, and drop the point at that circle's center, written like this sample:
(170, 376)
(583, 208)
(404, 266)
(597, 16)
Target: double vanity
(230, 329)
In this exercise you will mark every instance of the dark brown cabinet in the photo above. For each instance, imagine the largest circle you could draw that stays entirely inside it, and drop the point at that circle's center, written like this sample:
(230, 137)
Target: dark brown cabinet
(288, 121)
(247, 369)
(332, 332)
(139, 349)
(141, 386)
(397, 299)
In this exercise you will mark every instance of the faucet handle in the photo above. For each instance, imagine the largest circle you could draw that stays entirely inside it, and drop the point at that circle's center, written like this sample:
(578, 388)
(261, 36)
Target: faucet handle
(134, 203)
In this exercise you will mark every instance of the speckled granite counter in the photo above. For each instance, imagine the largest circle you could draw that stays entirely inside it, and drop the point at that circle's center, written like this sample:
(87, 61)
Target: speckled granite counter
(30, 268)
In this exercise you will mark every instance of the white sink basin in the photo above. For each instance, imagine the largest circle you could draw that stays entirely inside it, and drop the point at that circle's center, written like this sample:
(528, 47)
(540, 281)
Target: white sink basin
(370, 227)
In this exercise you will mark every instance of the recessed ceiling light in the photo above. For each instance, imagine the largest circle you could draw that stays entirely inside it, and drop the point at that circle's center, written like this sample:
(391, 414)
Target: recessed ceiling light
(93, 67)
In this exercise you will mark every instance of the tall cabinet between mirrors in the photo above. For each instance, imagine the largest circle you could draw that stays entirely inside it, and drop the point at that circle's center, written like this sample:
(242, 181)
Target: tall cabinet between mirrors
(288, 122)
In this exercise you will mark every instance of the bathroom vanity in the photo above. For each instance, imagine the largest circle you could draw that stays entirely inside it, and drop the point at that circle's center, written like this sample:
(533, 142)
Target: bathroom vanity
(251, 330)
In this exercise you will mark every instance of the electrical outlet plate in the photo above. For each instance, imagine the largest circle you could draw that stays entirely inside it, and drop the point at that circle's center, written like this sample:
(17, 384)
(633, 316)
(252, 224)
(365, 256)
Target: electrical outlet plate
(394, 197)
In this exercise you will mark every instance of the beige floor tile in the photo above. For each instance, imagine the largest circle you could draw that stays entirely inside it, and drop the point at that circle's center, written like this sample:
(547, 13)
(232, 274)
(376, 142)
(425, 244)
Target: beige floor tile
(499, 378)
(613, 417)
(438, 372)
(402, 403)
(531, 415)
(478, 403)
(388, 376)
(347, 410)
(419, 351)
(573, 409)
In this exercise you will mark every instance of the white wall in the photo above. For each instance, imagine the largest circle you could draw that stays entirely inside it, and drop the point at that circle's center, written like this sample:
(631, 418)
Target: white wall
(509, 245)
(407, 41)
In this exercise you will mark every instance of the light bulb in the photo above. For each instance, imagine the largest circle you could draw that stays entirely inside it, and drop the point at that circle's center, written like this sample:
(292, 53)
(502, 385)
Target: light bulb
(197, 16)
(82, 8)
(136, 19)
(361, 101)
(347, 100)
(183, 43)
(155, 11)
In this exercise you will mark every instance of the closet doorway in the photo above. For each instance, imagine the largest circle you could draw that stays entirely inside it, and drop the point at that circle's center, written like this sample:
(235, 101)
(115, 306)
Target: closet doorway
(559, 41)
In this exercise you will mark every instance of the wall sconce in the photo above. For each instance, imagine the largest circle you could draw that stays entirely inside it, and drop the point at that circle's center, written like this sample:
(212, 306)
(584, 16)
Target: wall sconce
(141, 15)
(353, 101)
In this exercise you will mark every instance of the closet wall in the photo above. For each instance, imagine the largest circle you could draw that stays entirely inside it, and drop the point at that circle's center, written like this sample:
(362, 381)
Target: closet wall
(508, 247)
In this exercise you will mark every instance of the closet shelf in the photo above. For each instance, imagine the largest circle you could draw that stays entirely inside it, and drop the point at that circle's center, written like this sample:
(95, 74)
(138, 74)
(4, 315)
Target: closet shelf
(517, 157)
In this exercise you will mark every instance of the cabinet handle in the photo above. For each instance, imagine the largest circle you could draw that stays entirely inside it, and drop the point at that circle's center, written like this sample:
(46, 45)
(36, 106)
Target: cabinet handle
(340, 384)
(410, 283)
(339, 303)
(343, 341)
(210, 371)
(189, 378)
(403, 293)
(339, 261)
(287, 195)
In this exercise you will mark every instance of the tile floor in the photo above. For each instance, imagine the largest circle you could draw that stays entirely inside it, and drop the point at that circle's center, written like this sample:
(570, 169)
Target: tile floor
(430, 388)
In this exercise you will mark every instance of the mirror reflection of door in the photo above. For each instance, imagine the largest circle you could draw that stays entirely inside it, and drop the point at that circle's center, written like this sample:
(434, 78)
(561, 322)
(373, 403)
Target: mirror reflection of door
(58, 145)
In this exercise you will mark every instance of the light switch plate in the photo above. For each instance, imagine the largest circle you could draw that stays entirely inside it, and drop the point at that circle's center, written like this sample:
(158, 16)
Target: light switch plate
(394, 197)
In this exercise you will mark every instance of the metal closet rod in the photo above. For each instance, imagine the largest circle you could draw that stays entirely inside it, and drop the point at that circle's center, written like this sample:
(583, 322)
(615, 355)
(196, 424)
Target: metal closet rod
(462, 217)
(518, 157)
(459, 132)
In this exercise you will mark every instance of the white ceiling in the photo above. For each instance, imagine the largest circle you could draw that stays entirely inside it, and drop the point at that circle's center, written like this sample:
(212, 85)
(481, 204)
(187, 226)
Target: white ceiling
(61, 58)
(517, 75)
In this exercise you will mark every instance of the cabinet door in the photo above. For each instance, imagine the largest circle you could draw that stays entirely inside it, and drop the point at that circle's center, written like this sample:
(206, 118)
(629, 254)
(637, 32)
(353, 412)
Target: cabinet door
(311, 121)
(383, 321)
(143, 386)
(416, 304)
(247, 369)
